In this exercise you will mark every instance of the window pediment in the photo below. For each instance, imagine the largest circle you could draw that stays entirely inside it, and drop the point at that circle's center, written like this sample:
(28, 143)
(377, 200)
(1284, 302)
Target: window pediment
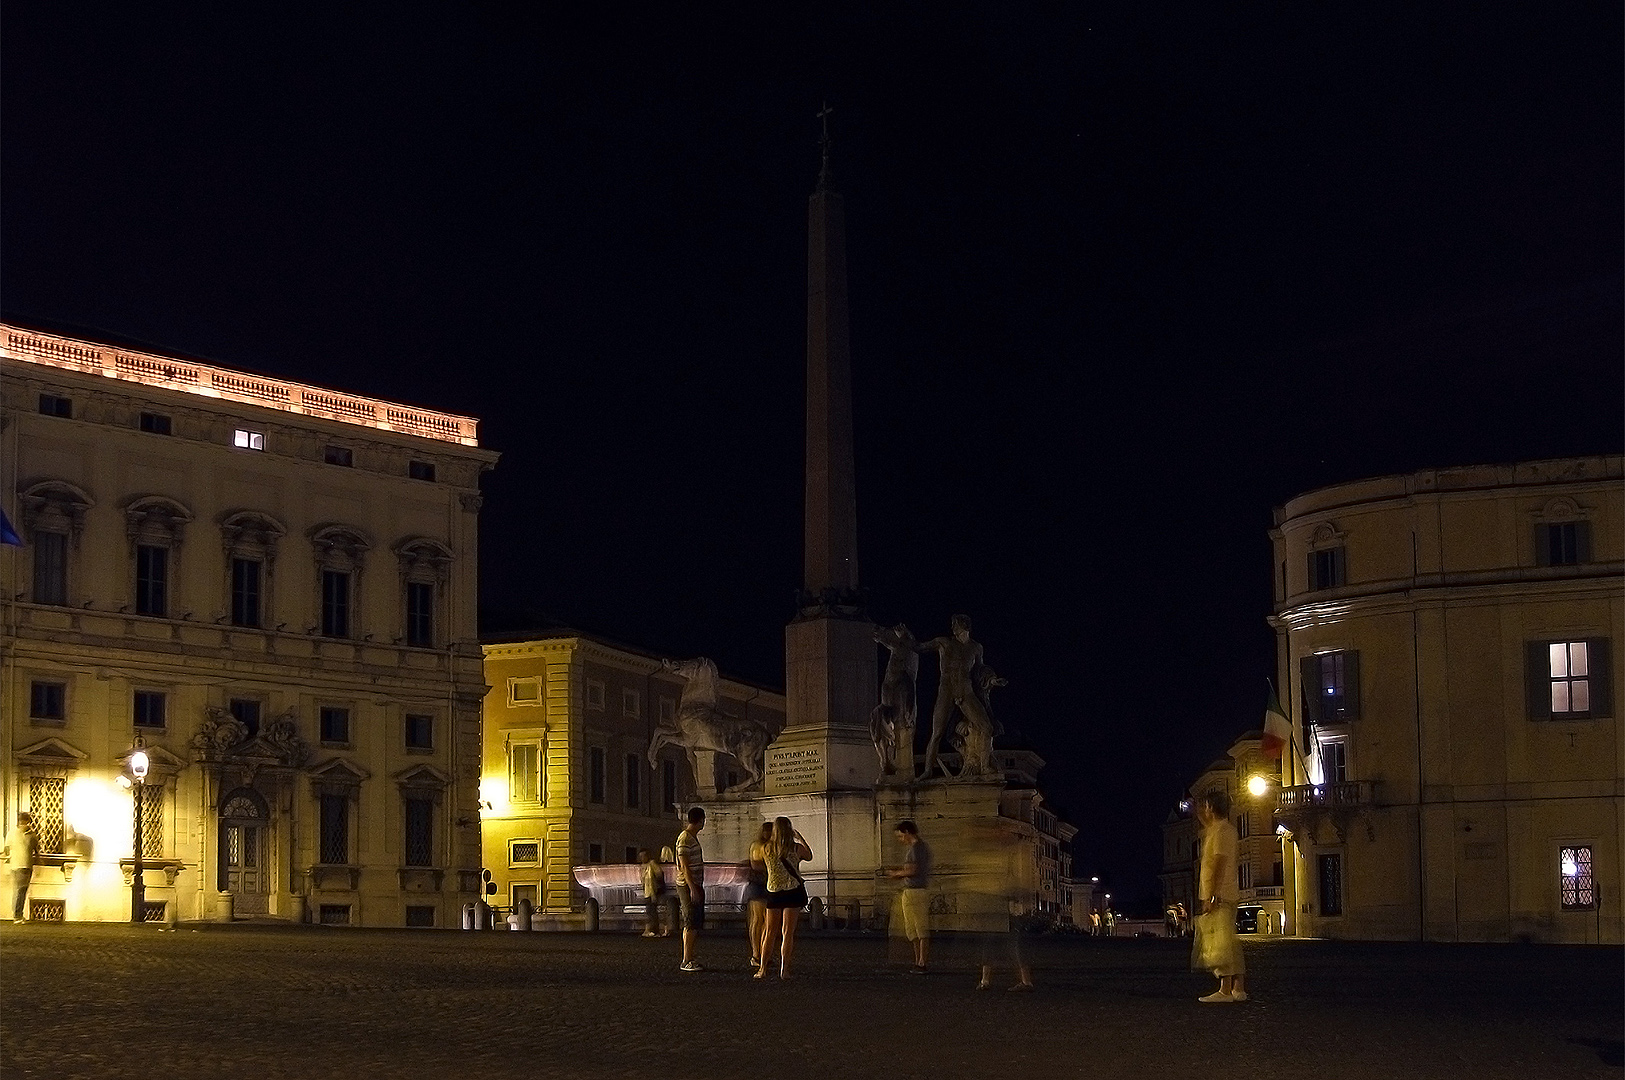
(155, 519)
(55, 506)
(1326, 535)
(251, 534)
(423, 559)
(423, 781)
(339, 547)
(1560, 509)
(50, 757)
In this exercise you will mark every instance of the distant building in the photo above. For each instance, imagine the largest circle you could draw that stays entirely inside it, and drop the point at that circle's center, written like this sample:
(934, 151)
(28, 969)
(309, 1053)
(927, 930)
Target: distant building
(271, 586)
(566, 778)
(1260, 869)
(1451, 643)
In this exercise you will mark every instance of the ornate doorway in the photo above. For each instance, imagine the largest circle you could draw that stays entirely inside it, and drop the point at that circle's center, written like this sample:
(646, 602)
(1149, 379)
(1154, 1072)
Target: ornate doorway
(244, 847)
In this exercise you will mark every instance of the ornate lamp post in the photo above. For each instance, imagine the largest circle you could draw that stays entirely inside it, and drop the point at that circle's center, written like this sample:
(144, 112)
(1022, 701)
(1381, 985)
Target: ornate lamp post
(138, 883)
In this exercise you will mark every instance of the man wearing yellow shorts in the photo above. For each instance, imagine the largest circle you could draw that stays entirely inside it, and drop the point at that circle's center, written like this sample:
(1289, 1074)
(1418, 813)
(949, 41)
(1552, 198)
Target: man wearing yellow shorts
(915, 900)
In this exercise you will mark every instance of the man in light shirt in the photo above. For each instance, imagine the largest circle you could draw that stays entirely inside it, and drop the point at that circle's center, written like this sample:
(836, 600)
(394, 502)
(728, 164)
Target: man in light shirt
(691, 884)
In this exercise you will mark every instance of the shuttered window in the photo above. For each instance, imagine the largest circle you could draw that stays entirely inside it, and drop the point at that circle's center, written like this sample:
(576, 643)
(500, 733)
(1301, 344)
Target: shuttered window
(1569, 680)
(1331, 687)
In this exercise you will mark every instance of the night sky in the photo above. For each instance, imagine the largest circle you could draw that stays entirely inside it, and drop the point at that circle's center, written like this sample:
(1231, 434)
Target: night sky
(1124, 277)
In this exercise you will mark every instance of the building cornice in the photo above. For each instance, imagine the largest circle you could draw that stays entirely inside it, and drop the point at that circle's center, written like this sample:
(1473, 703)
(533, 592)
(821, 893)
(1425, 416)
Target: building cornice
(1595, 580)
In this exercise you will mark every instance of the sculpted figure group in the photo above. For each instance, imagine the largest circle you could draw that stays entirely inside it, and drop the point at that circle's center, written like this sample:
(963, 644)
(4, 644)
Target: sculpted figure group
(963, 711)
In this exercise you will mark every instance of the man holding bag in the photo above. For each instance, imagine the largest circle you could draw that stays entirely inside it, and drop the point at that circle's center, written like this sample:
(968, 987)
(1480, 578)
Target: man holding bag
(1218, 947)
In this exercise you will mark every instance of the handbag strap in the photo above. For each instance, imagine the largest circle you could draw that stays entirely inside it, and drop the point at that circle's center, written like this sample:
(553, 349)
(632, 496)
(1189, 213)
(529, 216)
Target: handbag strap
(790, 868)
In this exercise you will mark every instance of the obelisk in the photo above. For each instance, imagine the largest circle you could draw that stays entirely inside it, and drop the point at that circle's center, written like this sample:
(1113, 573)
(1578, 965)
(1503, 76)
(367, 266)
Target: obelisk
(829, 648)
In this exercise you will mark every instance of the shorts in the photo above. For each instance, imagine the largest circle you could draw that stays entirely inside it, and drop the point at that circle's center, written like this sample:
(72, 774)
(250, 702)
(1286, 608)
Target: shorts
(790, 898)
(917, 914)
(693, 911)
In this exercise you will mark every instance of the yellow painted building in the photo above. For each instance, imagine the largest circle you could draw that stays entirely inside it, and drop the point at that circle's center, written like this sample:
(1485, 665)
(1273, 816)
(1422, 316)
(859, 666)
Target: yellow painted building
(1451, 640)
(566, 776)
(272, 587)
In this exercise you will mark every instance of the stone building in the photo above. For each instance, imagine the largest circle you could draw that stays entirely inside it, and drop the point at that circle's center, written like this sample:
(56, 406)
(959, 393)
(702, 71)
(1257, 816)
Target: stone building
(1260, 867)
(272, 587)
(1451, 639)
(567, 779)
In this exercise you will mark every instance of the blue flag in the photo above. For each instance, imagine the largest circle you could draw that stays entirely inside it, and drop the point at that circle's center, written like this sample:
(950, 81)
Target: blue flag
(8, 535)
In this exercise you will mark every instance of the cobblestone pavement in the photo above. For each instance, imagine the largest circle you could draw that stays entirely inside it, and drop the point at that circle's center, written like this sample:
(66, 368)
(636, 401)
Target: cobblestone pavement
(302, 1002)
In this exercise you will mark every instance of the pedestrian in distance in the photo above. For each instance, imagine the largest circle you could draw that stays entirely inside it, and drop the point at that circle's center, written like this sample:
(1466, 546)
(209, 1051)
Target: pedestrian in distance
(756, 893)
(21, 847)
(654, 890)
(691, 885)
(1217, 946)
(915, 900)
(786, 895)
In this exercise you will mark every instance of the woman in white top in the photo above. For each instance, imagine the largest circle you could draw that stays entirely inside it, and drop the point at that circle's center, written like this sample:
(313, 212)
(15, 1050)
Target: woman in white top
(786, 894)
(1217, 947)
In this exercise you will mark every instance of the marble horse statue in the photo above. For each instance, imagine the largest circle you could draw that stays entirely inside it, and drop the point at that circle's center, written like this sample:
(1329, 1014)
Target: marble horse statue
(891, 723)
(701, 725)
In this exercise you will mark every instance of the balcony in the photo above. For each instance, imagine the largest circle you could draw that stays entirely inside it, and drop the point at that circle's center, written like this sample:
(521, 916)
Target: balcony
(1302, 809)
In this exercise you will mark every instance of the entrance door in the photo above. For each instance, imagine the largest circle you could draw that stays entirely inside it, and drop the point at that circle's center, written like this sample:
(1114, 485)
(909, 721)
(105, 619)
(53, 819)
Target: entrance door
(243, 848)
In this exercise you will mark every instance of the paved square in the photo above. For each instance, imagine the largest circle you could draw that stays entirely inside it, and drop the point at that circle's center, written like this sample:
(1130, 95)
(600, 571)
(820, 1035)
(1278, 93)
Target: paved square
(115, 1001)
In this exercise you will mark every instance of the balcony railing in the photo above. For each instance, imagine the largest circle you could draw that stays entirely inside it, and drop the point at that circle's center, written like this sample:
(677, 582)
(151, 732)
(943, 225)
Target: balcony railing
(1346, 793)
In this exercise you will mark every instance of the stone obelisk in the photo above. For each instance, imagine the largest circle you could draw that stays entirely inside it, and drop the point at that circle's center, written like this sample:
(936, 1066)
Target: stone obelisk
(830, 660)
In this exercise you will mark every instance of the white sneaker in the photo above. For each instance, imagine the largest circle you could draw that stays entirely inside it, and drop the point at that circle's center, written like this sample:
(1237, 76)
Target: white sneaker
(1217, 998)
(690, 966)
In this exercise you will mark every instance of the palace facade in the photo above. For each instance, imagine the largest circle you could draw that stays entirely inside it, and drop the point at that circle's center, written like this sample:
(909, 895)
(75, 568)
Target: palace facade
(1451, 641)
(270, 588)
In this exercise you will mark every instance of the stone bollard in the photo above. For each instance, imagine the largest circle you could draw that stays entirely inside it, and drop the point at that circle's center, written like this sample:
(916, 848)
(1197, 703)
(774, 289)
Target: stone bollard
(468, 916)
(523, 911)
(172, 915)
(815, 913)
(482, 915)
(223, 907)
(592, 915)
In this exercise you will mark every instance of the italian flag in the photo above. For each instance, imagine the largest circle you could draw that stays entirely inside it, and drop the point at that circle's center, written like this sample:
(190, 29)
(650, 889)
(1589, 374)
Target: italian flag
(1277, 728)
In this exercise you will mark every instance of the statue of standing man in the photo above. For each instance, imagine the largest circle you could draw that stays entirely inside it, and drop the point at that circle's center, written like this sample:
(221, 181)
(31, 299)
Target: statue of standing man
(959, 660)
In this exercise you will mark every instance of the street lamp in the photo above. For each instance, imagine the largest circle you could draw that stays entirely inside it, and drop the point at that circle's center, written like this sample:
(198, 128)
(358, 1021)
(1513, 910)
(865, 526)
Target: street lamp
(138, 882)
(1258, 785)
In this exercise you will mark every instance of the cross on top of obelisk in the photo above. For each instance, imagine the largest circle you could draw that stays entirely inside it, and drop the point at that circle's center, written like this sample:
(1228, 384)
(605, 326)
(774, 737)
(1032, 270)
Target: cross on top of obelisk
(824, 178)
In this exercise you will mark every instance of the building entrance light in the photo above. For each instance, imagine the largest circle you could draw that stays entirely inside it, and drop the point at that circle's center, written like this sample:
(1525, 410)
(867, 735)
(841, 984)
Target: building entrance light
(138, 877)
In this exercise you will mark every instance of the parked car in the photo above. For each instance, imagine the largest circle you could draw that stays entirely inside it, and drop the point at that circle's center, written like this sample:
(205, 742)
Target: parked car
(1247, 919)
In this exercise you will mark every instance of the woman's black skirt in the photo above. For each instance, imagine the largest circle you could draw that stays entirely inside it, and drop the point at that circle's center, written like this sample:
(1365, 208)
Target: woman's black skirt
(790, 898)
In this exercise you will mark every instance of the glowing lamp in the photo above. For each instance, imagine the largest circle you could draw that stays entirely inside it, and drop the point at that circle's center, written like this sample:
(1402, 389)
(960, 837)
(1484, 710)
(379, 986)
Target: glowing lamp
(138, 765)
(1258, 785)
(1570, 867)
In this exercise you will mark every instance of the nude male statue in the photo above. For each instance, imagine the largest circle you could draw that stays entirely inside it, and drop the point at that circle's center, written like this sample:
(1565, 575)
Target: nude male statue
(958, 659)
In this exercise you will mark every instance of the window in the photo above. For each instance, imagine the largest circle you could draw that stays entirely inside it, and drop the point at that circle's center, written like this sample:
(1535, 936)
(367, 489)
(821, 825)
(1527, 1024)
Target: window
(631, 703)
(1569, 680)
(151, 580)
(525, 772)
(50, 567)
(419, 731)
(634, 781)
(245, 439)
(668, 784)
(45, 800)
(595, 694)
(1334, 760)
(420, 915)
(152, 821)
(53, 405)
(1277, 875)
(338, 455)
(48, 701)
(595, 774)
(527, 692)
(1331, 883)
(1574, 883)
(151, 707)
(419, 832)
(1244, 825)
(248, 711)
(420, 470)
(156, 423)
(1328, 568)
(335, 725)
(595, 853)
(1244, 875)
(668, 712)
(334, 828)
(420, 614)
(631, 853)
(1331, 687)
(1566, 543)
(525, 852)
(334, 915)
(245, 592)
(335, 604)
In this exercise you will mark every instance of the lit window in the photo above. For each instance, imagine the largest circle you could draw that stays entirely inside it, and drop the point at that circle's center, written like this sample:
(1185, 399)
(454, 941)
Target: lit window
(54, 405)
(155, 423)
(1574, 881)
(1570, 677)
(419, 731)
(150, 708)
(338, 455)
(1331, 687)
(245, 439)
(595, 775)
(525, 772)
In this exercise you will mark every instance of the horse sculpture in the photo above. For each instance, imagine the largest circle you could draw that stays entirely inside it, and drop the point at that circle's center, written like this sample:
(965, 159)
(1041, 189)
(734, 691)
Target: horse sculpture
(891, 723)
(701, 725)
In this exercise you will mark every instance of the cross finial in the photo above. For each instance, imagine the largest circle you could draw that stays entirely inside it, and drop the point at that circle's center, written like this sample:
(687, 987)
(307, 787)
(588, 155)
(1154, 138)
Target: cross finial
(824, 178)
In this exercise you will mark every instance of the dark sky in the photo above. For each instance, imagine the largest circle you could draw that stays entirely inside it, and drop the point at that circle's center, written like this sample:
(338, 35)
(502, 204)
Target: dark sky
(1124, 276)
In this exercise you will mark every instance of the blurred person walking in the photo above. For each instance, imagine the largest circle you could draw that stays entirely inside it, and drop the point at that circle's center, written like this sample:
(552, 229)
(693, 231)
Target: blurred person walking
(756, 893)
(21, 847)
(654, 888)
(1000, 884)
(784, 853)
(1217, 946)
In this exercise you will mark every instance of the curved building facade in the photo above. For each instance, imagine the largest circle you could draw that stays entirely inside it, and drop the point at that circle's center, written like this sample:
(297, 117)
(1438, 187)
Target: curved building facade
(1451, 639)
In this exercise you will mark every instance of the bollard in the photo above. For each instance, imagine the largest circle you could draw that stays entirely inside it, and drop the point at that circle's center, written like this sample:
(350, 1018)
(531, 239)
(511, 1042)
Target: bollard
(854, 915)
(815, 913)
(223, 907)
(172, 915)
(592, 915)
(523, 911)
(482, 915)
(468, 916)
